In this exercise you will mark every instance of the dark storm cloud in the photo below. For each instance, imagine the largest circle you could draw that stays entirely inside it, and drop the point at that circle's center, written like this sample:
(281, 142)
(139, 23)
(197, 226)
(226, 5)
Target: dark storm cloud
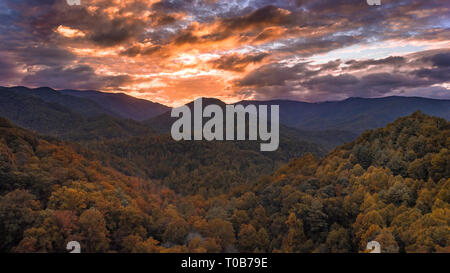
(161, 19)
(141, 50)
(278, 80)
(105, 31)
(309, 47)
(187, 37)
(206, 10)
(258, 26)
(292, 29)
(253, 25)
(44, 55)
(342, 23)
(232, 17)
(172, 5)
(367, 86)
(441, 59)
(439, 70)
(237, 62)
(390, 61)
(276, 75)
(340, 15)
(78, 77)
(115, 32)
(36, 19)
(40, 19)
(331, 65)
(266, 16)
(440, 74)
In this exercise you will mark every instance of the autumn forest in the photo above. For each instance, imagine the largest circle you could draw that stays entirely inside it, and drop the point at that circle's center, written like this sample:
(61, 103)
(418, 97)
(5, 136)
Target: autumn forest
(354, 157)
(151, 194)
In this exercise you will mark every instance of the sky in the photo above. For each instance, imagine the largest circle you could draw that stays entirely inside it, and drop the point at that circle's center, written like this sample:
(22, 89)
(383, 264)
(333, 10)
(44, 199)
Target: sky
(173, 51)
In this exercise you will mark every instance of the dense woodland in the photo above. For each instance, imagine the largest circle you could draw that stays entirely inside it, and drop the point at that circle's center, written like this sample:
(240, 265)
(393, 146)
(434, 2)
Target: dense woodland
(150, 194)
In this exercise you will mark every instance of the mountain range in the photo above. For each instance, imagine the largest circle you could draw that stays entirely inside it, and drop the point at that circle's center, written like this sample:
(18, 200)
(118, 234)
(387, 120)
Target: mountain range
(91, 172)
(85, 115)
(354, 114)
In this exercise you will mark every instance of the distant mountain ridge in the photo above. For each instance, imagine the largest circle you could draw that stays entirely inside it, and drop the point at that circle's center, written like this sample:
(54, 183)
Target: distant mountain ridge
(354, 114)
(50, 113)
(63, 112)
(92, 103)
(342, 120)
(122, 104)
(81, 106)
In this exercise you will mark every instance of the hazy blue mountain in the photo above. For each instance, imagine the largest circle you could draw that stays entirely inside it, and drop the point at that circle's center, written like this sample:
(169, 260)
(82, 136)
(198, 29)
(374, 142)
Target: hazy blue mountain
(354, 114)
(163, 122)
(32, 112)
(79, 112)
(84, 107)
(121, 104)
(94, 103)
(332, 123)
(328, 139)
(38, 113)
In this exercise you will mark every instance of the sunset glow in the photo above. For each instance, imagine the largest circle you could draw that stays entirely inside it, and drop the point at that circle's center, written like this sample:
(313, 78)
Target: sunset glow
(172, 51)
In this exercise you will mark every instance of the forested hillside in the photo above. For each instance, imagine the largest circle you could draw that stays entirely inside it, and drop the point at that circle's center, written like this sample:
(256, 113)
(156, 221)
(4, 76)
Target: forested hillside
(91, 103)
(121, 104)
(391, 185)
(198, 167)
(50, 113)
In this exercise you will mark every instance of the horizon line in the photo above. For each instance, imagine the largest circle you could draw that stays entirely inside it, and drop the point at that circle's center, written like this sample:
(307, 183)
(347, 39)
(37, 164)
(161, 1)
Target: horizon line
(239, 101)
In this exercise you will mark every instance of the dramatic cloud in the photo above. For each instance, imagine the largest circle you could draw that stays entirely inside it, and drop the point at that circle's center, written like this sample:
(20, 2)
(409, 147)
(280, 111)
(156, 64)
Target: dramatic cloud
(171, 51)
(237, 62)
(79, 77)
(391, 61)
(364, 78)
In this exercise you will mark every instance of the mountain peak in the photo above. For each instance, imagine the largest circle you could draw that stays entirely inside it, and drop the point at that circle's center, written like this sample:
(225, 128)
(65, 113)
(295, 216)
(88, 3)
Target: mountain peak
(122, 104)
(209, 100)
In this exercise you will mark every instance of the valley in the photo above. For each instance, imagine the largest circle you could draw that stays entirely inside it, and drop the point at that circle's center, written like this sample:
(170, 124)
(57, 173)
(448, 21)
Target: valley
(121, 185)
